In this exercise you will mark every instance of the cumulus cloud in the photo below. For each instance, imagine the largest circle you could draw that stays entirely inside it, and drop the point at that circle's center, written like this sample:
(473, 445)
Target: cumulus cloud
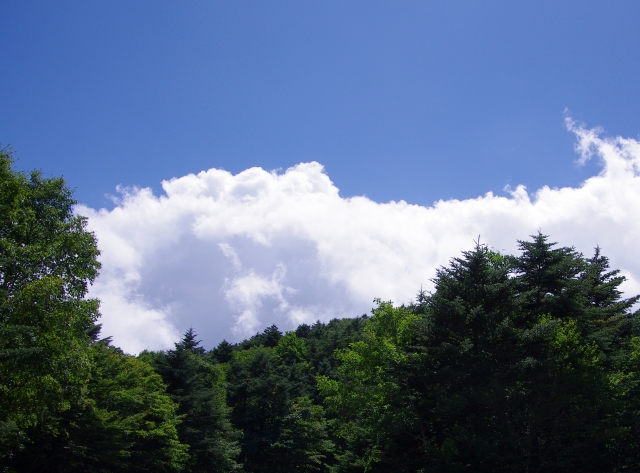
(246, 293)
(231, 254)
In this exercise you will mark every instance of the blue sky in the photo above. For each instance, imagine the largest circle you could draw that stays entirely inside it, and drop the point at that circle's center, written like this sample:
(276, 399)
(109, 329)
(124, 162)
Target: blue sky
(398, 100)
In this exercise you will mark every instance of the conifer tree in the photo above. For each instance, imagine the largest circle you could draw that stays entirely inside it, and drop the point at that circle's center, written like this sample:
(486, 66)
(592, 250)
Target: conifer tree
(512, 364)
(199, 388)
(128, 423)
(267, 386)
(223, 353)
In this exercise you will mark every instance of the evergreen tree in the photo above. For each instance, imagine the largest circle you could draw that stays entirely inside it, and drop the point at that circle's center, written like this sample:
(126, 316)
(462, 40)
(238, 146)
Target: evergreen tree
(262, 389)
(606, 318)
(268, 338)
(199, 388)
(223, 353)
(512, 364)
(128, 424)
(303, 445)
(548, 278)
(323, 339)
(270, 391)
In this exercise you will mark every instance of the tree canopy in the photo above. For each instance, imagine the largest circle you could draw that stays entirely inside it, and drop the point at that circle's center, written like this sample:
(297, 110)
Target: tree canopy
(47, 260)
(511, 364)
(68, 402)
(515, 363)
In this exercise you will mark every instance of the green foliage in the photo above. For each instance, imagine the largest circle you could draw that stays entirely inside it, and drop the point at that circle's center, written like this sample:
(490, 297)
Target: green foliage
(513, 363)
(67, 404)
(369, 384)
(47, 260)
(275, 401)
(291, 348)
(322, 340)
(303, 444)
(198, 386)
(269, 338)
(262, 390)
(129, 422)
(223, 353)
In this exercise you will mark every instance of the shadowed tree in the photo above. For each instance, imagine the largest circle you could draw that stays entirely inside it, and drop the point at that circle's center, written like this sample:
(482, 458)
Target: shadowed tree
(512, 364)
(198, 386)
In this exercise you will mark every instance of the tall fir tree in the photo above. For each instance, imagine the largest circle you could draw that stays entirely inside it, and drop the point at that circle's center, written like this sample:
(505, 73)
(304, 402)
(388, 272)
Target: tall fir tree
(198, 386)
(512, 364)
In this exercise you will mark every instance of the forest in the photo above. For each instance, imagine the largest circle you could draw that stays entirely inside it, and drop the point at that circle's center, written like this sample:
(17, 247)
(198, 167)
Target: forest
(516, 363)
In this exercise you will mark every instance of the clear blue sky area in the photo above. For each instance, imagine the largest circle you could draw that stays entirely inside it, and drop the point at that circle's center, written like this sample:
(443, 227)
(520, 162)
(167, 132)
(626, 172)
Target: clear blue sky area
(399, 100)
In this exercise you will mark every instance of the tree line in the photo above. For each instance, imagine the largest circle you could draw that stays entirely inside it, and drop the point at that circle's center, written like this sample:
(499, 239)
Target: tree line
(515, 363)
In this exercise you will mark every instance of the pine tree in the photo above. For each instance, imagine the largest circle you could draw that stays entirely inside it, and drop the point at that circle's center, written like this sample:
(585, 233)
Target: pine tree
(266, 383)
(606, 318)
(548, 279)
(523, 363)
(199, 388)
(223, 353)
(128, 423)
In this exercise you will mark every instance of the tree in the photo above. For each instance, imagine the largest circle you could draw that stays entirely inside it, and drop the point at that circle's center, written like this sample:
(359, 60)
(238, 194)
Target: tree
(47, 260)
(303, 444)
(274, 396)
(269, 391)
(129, 422)
(323, 339)
(199, 388)
(368, 398)
(512, 364)
(223, 353)
(291, 348)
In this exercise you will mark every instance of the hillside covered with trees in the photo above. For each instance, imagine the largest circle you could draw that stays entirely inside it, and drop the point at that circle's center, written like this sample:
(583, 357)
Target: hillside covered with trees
(515, 363)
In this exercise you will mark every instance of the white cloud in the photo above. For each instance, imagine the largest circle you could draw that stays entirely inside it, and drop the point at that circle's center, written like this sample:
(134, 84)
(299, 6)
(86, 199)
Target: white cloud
(246, 294)
(131, 321)
(231, 254)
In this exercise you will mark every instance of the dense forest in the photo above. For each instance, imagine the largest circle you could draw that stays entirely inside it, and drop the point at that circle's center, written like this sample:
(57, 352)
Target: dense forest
(515, 363)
